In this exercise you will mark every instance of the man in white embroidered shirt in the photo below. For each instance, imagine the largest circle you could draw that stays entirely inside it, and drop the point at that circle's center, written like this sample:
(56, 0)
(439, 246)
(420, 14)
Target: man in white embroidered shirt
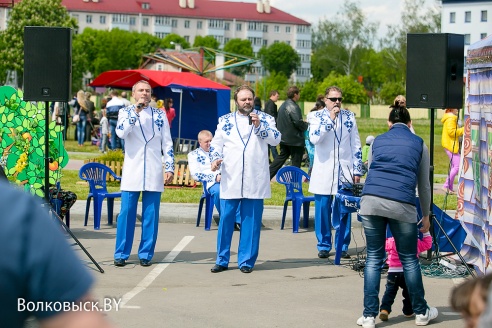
(240, 149)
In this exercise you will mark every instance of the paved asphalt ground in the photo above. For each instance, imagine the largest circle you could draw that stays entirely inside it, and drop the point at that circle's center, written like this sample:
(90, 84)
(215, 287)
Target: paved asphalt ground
(289, 287)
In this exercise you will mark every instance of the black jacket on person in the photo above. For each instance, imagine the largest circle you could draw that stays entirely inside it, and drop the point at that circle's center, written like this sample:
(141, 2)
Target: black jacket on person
(291, 124)
(271, 108)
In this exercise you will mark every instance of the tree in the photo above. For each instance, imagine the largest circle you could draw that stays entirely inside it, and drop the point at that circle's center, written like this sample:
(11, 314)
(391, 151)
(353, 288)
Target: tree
(176, 39)
(240, 47)
(97, 51)
(29, 13)
(309, 91)
(280, 57)
(353, 92)
(338, 45)
(275, 81)
(206, 41)
(416, 18)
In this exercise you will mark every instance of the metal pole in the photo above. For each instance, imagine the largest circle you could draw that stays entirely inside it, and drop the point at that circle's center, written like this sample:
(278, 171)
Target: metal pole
(46, 152)
(180, 110)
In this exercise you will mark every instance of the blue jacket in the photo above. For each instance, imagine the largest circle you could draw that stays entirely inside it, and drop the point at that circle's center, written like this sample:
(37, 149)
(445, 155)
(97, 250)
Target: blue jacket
(396, 157)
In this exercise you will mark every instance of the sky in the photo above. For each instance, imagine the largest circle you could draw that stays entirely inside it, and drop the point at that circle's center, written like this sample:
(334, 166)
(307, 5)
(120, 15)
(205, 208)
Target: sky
(380, 11)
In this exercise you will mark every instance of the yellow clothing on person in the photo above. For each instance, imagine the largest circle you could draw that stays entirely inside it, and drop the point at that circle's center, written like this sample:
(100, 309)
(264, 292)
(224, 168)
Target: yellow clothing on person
(451, 132)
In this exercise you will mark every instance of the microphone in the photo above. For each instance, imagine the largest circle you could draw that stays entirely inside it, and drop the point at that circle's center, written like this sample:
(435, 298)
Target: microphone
(250, 119)
(139, 106)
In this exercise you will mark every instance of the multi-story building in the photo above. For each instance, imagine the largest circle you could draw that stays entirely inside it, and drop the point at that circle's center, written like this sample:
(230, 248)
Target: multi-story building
(258, 22)
(468, 17)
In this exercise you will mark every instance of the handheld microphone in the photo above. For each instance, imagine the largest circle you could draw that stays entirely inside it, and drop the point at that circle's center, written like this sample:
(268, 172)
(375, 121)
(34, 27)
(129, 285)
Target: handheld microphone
(139, 106)
(250, 119)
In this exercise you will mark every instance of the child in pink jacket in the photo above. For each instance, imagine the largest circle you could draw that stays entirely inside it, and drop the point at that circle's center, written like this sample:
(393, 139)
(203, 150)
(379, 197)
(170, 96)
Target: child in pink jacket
(396, 278)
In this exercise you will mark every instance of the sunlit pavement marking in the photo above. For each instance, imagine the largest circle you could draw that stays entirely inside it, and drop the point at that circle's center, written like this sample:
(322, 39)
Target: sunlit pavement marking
(142, 285)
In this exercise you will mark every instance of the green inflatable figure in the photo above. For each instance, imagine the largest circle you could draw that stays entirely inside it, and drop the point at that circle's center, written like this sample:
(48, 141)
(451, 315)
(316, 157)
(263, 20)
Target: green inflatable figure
(22, 138)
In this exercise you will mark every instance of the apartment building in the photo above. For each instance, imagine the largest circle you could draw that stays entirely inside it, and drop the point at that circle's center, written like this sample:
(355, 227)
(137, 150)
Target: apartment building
(258, 22)
(473, 18)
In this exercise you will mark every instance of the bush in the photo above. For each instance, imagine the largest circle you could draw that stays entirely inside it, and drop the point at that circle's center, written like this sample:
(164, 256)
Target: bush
(116, 156)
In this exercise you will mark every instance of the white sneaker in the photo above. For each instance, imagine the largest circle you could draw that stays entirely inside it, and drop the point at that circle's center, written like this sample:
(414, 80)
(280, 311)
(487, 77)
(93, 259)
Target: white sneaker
(423, 319)
(366, 322)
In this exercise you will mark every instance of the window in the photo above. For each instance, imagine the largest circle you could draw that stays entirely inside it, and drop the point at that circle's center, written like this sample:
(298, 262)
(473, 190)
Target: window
(239, 27)
(88, 19)
(288, 42)
(216, 23)
(467, 39)
(275, 41)
(265, 43)
(187, 24)
(303, 72)
(303, 44)
(187, 38)
(132, 20)
(102, 19)
(255, 41)
(265, 28)
(219, 38)
(145, 21)
(145, 5)
(226, 40)
(227, 26)
(174, 23)
(161, 20)
(76, 17)
(199, 25)
(287, 29)
(483, 36)
(255, 26)
(452, 18)
(303, 29)
(161, 35)
(483, 16)
(276, 29)
(467, 16)
(120, 19)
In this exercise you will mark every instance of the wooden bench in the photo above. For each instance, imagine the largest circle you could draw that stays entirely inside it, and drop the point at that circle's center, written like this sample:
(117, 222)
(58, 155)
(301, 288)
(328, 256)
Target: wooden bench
(182, 176)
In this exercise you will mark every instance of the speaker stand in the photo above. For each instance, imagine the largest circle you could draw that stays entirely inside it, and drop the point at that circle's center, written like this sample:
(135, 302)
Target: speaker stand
(432, 216)
(47, 183)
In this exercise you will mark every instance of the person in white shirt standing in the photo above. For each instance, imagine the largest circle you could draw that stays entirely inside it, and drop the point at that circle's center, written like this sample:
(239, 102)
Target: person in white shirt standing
(146, 133)
(240, 149)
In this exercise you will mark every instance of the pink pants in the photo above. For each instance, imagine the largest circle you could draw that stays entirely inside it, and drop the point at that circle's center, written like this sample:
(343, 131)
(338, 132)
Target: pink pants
(455, 166)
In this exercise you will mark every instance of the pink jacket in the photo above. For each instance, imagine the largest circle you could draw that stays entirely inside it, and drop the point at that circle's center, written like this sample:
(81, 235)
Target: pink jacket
(393, 259)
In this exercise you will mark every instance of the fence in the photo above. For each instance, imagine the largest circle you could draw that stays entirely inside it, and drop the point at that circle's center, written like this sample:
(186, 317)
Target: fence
(182, 176)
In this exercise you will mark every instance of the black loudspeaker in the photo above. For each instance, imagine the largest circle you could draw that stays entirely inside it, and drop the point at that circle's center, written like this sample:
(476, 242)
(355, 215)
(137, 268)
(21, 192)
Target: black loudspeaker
(435, 70)
(47, 63)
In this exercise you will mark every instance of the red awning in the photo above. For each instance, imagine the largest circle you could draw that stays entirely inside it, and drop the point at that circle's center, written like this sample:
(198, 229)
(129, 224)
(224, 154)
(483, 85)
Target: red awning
(125, 79)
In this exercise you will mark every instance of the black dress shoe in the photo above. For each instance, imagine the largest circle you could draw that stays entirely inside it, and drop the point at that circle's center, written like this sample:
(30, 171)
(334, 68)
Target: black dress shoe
(218, 268)
(119, 263)
(246, 269)
(345, 255)
(323, 254)
(237, 226)
(145, 263)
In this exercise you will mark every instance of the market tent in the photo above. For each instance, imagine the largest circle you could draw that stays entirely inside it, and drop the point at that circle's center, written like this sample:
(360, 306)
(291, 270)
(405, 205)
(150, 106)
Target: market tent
(475, 182)
(199, 102)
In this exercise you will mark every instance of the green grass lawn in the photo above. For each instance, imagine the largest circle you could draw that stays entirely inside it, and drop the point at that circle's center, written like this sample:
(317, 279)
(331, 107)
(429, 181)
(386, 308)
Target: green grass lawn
(192, 195)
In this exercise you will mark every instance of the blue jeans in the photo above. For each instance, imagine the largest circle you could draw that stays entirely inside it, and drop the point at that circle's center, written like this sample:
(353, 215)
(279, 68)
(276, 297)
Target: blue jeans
(395, 281)
(81, 130)
(116, 142)
(405, 235)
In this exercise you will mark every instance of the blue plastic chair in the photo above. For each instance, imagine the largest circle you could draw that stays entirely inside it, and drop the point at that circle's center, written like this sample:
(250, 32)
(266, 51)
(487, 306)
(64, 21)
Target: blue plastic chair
(292, 177)
(96, 174)
(209, 207)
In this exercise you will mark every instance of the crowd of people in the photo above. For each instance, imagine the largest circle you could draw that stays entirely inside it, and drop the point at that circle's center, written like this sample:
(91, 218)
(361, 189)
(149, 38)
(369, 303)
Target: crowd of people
(239, 160)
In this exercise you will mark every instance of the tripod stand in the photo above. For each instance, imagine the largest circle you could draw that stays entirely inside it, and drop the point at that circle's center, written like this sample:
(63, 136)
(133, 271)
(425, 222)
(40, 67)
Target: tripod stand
(432, 217)
(47, 185)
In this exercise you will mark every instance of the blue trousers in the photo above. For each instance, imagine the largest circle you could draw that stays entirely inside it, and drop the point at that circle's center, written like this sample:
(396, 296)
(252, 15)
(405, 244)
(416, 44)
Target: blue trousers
(322, 224)
(215, 193)
(405, 235)
(125, 228)
(250, 211)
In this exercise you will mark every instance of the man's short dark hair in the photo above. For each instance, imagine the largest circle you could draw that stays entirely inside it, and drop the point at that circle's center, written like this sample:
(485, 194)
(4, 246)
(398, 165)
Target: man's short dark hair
(243, 87)
(333, 88)
(292, 91)
(273, 93)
